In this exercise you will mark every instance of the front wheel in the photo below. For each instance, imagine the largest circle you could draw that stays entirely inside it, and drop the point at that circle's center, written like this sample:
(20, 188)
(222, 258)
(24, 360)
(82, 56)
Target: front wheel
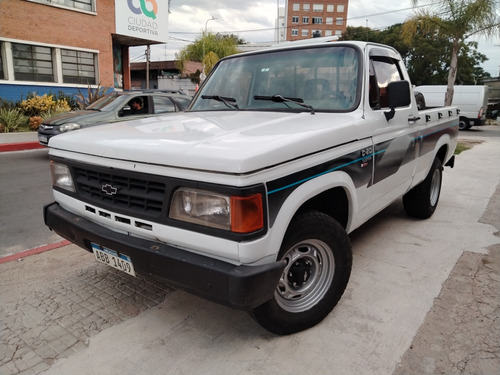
(422, 200)
(318, 258)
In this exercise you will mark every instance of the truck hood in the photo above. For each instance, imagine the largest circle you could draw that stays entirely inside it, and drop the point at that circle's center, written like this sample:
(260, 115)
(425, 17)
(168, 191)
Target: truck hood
(235, 142)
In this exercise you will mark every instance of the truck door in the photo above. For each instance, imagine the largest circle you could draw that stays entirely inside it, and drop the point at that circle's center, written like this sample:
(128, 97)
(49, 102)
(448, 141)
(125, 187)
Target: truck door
(393, 138)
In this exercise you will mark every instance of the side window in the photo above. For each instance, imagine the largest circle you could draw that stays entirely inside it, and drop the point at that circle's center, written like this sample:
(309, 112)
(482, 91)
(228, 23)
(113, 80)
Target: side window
(138, 105)
(383, 70)
(163, 104)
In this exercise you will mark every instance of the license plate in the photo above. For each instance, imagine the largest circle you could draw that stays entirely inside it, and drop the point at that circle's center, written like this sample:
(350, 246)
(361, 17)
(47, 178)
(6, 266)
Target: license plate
(121, 262)
(42, 138)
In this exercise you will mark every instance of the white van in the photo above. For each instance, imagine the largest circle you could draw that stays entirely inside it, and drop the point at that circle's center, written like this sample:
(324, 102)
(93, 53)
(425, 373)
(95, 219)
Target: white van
(472, 102)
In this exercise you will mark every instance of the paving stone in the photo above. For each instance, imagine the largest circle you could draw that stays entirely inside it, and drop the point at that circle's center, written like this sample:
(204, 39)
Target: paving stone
(56, 321)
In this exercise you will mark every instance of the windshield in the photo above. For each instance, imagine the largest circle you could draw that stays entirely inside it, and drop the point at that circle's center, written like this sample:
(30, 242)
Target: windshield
(310, 79)
(101, 103)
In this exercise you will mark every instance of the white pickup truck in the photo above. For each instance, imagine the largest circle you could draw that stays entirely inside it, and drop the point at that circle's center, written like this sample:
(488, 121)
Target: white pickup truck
(247, 198)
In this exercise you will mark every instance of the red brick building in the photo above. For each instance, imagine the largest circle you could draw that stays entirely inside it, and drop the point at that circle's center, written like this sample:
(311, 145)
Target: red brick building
(52, 45)
(304, 19)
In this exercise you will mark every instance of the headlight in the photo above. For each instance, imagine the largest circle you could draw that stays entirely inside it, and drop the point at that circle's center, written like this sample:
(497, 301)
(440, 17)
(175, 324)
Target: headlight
(241, 214)
(61, 176)
(69, 127)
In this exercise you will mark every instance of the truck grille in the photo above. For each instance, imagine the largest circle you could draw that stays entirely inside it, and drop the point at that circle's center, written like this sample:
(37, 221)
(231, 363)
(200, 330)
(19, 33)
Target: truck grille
(127, 194)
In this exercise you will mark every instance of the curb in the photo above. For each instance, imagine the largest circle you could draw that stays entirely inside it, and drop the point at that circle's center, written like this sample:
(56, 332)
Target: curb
(36, 250)
(20, 146)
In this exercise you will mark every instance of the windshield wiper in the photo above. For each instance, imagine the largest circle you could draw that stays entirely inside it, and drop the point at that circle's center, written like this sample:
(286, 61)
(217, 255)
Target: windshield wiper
(282, 99)
(229, 102)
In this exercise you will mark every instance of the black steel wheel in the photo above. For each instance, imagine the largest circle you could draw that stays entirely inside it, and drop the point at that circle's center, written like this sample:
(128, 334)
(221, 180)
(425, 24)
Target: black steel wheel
(422, 200)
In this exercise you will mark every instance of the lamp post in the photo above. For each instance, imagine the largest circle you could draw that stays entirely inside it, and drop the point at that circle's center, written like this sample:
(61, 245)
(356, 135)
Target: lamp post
(202, 76)
(206, 23)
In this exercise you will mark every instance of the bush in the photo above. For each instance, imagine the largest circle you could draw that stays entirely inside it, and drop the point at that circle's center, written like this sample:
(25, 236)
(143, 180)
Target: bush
(93, 94)
(35, 122)
(37, 105)
(68, 98)
(11, 120)
(7, 104)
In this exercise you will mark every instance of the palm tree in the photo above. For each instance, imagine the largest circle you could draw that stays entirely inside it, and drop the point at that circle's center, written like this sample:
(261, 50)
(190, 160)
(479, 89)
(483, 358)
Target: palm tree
(456, 20)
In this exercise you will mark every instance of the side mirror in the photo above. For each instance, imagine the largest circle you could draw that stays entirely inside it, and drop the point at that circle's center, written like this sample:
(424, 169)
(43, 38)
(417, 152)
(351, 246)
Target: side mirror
(398, 95)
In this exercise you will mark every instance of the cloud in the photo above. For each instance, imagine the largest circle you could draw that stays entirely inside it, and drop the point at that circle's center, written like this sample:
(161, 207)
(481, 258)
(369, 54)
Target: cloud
(254, 21)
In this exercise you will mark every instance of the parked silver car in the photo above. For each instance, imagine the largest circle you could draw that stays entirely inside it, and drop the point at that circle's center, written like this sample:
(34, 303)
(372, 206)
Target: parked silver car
(116, 106)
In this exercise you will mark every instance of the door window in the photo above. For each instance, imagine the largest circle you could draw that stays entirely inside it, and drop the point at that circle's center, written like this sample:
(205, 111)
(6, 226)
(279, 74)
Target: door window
(383, 70)
(163, 104)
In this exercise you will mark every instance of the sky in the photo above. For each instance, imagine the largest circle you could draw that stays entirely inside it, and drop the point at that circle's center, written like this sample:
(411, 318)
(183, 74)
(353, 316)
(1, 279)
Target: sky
(254, 21)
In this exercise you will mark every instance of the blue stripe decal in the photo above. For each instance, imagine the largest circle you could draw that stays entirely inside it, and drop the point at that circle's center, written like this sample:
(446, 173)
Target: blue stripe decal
(323, 173)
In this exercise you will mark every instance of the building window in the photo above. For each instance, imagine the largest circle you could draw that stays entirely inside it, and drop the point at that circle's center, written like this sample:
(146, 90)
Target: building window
(2, 75)
(329, 20)
(306, 7)
(296, 7)
(295, 32)
(340, 8)
(317, 20)
(340, 21)
(32, 63)
(305, 20)
(295, 19)
(328, 32)
(338, 33)
(78, 67)
(305, 32)
(317, 7)
(85, 5)
(330, 8)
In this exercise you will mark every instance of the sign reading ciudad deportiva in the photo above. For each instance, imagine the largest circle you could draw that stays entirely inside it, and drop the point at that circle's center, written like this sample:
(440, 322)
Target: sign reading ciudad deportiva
(147, 19)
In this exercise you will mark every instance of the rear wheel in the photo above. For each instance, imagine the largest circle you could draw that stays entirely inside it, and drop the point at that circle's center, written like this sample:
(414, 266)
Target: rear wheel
(318, 258)
(464, 124)
(422, 200)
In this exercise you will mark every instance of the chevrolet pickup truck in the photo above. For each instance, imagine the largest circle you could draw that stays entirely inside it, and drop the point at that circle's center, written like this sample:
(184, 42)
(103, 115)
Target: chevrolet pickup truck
(247, 198)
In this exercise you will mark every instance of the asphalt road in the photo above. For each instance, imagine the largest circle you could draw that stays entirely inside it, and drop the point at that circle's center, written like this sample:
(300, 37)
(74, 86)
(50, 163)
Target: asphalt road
(25, 186)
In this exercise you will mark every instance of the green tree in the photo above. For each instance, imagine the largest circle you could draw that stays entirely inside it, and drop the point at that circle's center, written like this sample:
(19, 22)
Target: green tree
(425, 55)
(455, 20)
(219, 45)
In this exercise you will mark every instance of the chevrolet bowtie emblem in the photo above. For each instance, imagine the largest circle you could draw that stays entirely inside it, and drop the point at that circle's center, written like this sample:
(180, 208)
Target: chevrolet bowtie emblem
(109, 189)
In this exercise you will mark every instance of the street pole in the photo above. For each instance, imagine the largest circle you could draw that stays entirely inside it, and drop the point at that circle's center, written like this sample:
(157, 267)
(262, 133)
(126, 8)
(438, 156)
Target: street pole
(203, 74)
(206, 23)
(147, 66)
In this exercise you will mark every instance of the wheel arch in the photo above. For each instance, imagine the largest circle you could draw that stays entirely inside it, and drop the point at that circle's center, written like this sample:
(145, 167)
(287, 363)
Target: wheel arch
(336, 188)
(337, 207)
(442, 153)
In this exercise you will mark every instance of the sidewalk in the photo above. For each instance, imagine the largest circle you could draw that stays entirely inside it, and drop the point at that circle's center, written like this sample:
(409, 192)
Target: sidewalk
(19, 141)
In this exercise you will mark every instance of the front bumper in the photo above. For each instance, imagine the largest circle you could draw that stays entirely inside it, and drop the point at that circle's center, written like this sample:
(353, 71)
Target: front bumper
(43, 137)
(240, 287)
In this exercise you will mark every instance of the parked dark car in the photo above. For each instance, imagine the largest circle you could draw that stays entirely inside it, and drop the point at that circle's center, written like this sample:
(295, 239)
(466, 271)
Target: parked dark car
(116, 106)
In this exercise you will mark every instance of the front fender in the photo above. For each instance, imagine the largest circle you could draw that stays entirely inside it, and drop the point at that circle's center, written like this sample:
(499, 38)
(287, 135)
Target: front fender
(268, 246)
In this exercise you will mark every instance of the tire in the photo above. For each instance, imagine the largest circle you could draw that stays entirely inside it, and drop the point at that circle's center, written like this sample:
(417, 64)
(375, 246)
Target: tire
(422, 200)
(319, 258)
(464, 124)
